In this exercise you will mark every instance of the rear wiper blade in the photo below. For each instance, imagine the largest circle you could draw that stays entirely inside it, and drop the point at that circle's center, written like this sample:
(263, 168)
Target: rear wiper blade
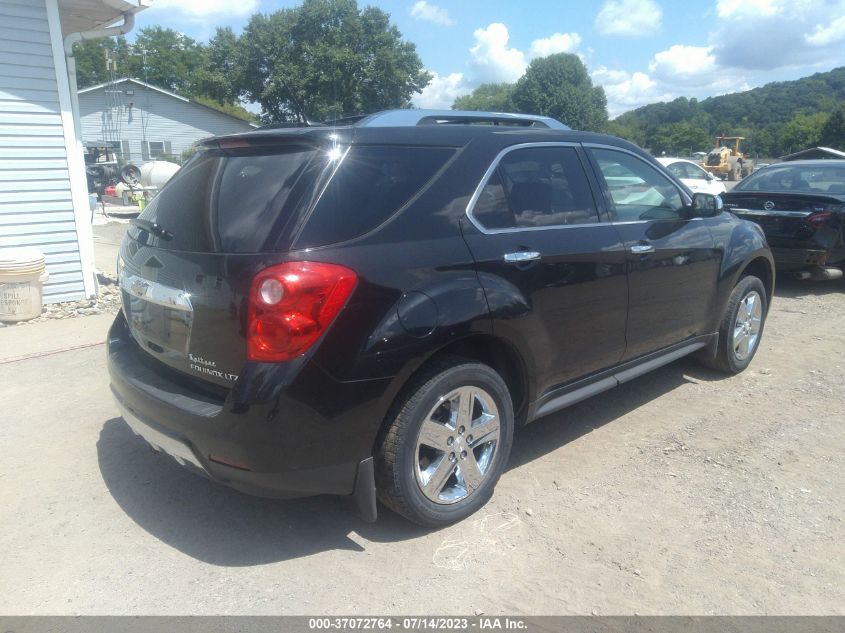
(152, 228)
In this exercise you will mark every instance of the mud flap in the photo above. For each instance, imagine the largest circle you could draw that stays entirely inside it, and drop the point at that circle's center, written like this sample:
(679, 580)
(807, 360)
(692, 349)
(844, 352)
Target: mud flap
(710, 350)
(364, 494)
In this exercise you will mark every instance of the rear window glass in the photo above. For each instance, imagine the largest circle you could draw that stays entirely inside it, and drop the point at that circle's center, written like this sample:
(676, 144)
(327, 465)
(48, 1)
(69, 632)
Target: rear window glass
(221, 203)
(813, 178)
(371, 184)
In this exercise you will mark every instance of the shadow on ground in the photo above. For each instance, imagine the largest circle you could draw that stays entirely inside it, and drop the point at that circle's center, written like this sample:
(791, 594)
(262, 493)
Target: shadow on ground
(219, 526)
(558, 429)
(216, 525)
(791, 288)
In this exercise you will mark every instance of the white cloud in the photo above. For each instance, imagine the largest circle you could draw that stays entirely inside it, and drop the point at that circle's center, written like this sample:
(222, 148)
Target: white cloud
(679, 71)
(633, 18)
(422, 10)
(626, 91)
(556, 43)
(683, 62)
(771, 35)
(442, 91)
(491, 59)
(824, 35)
(733, 9)
(763, 36)
(206, 9)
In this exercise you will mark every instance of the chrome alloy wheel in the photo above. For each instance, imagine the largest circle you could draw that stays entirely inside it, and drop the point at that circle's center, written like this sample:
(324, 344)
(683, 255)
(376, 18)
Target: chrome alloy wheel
(456, 444)
(749, 318)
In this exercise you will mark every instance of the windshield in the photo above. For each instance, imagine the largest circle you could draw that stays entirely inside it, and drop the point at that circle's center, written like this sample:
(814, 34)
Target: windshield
(786, 178)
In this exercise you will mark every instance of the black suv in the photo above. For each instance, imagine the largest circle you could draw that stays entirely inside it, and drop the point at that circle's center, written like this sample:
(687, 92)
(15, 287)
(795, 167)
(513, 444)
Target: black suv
(370, 309)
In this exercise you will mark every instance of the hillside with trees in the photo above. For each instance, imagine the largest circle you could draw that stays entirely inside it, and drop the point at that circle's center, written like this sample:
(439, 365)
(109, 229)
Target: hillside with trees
(778, 118)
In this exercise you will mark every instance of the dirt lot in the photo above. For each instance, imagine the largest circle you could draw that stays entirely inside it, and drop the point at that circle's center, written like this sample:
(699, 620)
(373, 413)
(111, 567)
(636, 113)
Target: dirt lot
(682, 492)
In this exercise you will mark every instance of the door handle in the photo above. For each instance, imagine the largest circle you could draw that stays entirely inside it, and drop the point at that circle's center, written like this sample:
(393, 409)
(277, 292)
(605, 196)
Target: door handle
(521, 256)
(642, 249)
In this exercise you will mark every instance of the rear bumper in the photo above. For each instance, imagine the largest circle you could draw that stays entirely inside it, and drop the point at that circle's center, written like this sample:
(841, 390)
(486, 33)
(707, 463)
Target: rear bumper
(309, 435)
(799, 258)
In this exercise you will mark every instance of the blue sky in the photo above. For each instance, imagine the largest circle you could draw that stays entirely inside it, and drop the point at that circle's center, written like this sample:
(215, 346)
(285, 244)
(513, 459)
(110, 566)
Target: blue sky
(641, 51)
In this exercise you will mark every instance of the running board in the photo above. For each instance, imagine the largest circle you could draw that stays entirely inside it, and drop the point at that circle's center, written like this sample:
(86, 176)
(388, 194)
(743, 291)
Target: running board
(617, 378)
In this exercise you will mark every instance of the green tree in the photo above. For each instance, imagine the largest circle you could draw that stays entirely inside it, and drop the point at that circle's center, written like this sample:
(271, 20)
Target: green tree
(220, 78)
(678, 139)
(623, 131)
(833, 132)
(94, 56)
(490, 97)
(560, 87)
(774, 117)
(167, 59)
(228, 107)
(327, 58)
(801, 132)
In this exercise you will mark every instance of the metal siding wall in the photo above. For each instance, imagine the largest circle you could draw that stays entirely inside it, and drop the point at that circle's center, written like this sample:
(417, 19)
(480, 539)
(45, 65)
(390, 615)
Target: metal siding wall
(35, 199)
(156, 117)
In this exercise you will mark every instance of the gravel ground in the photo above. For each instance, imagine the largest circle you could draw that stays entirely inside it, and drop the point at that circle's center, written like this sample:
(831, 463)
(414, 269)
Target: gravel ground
(681, 492)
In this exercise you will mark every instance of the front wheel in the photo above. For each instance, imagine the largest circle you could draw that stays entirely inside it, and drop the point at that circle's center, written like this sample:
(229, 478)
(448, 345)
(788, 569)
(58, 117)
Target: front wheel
(736, 173)
(448, 444)
(742, 326)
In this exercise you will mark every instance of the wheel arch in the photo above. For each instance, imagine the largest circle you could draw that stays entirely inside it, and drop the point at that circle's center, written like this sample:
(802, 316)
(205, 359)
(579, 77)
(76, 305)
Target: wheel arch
(482, 348)
(763, 269)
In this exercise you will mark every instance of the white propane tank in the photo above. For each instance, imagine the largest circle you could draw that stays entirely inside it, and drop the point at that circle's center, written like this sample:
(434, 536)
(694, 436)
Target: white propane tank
(157, 172)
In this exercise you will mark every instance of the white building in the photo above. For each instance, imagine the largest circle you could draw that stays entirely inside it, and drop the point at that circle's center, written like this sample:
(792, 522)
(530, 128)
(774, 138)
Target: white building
(140, 121)
(43, 190)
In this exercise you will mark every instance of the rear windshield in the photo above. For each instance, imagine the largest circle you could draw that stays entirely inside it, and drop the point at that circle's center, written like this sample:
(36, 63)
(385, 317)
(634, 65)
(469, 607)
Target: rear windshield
(371, 184)
(798, 178)
(219, 203)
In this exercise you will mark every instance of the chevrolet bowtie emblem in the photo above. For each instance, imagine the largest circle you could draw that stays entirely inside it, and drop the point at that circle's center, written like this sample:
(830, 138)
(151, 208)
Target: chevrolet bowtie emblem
(139, 288)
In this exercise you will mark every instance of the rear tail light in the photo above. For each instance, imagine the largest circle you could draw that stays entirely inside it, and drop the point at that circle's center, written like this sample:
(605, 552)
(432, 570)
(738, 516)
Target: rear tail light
(818, 219)
(291, 305)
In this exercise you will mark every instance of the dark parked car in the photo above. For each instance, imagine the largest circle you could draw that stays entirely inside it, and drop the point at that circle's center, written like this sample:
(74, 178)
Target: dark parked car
(801, 207)
(371, 309)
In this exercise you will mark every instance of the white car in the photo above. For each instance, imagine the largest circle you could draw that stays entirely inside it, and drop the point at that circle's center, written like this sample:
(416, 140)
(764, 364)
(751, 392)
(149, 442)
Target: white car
(693, 176)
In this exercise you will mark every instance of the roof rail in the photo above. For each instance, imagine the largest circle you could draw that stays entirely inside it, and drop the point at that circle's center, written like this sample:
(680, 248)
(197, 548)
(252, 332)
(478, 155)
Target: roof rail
(409, 118)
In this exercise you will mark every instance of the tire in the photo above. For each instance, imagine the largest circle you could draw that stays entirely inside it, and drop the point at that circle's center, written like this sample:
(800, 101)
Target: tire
(731, 356)
(736, 173)
(429, 467)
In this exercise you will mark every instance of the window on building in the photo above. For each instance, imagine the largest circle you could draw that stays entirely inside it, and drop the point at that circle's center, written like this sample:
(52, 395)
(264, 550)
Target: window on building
(115, 149)
(156, 149)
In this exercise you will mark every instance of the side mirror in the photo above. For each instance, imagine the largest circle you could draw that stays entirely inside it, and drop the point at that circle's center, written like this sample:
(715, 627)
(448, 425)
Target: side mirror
(706, 205)
(708, 176)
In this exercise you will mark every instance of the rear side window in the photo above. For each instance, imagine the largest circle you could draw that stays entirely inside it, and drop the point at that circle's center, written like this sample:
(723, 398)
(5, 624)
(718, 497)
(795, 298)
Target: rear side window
(536, 187)
(371, 184)
(219, 203)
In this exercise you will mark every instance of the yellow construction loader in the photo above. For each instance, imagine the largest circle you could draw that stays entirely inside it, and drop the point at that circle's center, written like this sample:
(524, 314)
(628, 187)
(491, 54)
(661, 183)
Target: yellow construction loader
(727, 161)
